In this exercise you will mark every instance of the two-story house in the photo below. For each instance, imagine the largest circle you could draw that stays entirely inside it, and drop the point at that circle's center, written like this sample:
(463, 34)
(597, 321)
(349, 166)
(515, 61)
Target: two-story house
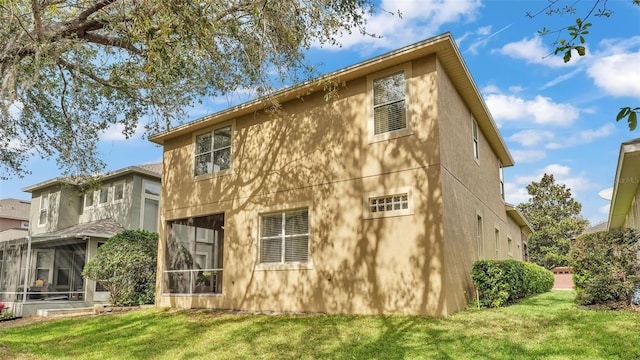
(375, 199)
(14, 218)
(67, 225)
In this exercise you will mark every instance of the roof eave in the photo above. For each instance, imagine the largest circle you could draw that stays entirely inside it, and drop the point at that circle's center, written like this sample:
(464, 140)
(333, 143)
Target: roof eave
(625, 184)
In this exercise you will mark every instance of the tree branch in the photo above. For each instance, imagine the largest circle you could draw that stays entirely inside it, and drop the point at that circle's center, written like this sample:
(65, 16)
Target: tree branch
(96, 7)
(119, 43)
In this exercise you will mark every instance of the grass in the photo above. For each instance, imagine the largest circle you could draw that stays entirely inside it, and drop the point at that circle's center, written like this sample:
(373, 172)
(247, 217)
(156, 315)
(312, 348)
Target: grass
(547, 326)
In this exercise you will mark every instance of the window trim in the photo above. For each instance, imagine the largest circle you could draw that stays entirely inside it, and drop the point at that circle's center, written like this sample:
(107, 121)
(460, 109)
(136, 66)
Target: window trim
(372, 137)
(283, 208)
(210, 130)
(367, 214)
(497, 240)
(103, 188)
(43, 195)
(475, 138)
(92, 196)
(501, 176)
(144, 196)
(479, 236)
(114, 186)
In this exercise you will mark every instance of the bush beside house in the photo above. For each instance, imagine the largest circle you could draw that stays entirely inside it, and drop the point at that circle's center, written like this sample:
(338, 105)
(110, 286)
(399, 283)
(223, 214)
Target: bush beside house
(126, 266)
(502, 282)
(606, 267)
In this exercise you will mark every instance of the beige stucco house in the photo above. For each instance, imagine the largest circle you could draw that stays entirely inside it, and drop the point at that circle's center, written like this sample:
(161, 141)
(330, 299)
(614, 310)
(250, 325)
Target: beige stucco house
(374, 200)
(66, 228)
(625, 202)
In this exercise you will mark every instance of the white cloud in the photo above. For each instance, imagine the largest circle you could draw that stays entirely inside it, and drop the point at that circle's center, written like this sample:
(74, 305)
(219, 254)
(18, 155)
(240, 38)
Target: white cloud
(617, 74)
(114, 133)
(542, 110)
(528, 156)
(531, 137)
(420, 19)
(604, 209)
(514, 194)
(535, 52)
(583, 137)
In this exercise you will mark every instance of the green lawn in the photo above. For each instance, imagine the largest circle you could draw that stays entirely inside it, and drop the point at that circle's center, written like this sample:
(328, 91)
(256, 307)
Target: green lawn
(547, 326)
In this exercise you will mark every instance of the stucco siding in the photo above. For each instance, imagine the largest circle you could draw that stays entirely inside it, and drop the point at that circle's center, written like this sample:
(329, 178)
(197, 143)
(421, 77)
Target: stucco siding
(319, 154)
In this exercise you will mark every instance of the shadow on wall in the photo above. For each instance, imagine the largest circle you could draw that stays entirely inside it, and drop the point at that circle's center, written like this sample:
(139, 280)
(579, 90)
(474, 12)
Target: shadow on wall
(318, 152)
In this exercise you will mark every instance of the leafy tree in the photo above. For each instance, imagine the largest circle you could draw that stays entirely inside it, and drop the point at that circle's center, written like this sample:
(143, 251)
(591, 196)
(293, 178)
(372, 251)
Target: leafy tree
(606, 267)
(126, 266)
(555, 218)
(572, 37)
(71, 69)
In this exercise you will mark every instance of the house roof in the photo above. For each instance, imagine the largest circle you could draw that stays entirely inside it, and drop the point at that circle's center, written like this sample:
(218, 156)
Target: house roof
(442, 45)
(14, 209)
(12, 234)
(104, 228)
(595, 228)
(152, 169)
(625, 185)
(519, 219)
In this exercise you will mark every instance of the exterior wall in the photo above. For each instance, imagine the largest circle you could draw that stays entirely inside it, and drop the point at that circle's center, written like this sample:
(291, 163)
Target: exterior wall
(119, 211)
(470, 189)
(10, 224)
(319, 154)
(632, 220)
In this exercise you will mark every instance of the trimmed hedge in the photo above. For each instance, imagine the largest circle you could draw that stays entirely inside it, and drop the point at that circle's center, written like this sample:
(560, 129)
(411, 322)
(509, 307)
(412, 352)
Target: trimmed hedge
(502, 282)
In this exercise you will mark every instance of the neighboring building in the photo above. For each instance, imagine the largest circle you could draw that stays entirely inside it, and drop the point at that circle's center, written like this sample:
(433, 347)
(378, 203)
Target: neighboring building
(374, 201)
(14, 219)
(625, 202)
(66, 230)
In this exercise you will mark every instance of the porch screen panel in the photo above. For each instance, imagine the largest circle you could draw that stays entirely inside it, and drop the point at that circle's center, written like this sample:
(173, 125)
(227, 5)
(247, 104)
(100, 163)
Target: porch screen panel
(193, 259)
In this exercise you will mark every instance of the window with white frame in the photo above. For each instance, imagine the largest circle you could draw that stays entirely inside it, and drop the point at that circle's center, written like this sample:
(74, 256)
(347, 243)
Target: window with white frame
(479, 235)
(118, 191)
(501, 169)
(44, 208)
(88, 199)
(389, 203)
(284, 237)
(476, 143)
(497, 232)
(213, 151)
(104, 195)
(389, 103)
(150, 205)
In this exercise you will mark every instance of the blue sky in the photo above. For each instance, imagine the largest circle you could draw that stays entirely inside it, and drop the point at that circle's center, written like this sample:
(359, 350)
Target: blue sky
(556, 118)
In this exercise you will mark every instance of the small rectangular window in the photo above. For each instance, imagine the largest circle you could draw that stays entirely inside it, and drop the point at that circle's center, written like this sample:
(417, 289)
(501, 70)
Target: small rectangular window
(284, 237)
(104, 195)
(497, 244)
(501, 180)
(479, 235)
(44, 209)
(118, 192)
(213, 151)
(476, 147)
(389, 103)
(510, 246)
(389, 203)
(88, 199)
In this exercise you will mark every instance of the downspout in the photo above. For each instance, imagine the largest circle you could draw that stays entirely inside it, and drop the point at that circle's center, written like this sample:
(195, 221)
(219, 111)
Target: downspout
(26, 268)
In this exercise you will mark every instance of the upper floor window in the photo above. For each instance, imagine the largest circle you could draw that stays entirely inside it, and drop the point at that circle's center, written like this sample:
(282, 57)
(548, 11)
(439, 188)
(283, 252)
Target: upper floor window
(88, 199)
(501, 180)
(284, 237)
(389, 103)
(44, 208)
(476, 143)
(213, 151)
(104, 195)
(118, 191)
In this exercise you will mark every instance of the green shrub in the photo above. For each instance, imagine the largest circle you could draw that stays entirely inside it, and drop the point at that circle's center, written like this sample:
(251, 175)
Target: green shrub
(126, 266)
(605, 267)
(503, 282)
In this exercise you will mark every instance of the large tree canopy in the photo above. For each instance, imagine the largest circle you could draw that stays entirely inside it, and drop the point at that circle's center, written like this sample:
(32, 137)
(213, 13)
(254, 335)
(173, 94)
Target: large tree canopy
(71, 69)
(555, 218)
